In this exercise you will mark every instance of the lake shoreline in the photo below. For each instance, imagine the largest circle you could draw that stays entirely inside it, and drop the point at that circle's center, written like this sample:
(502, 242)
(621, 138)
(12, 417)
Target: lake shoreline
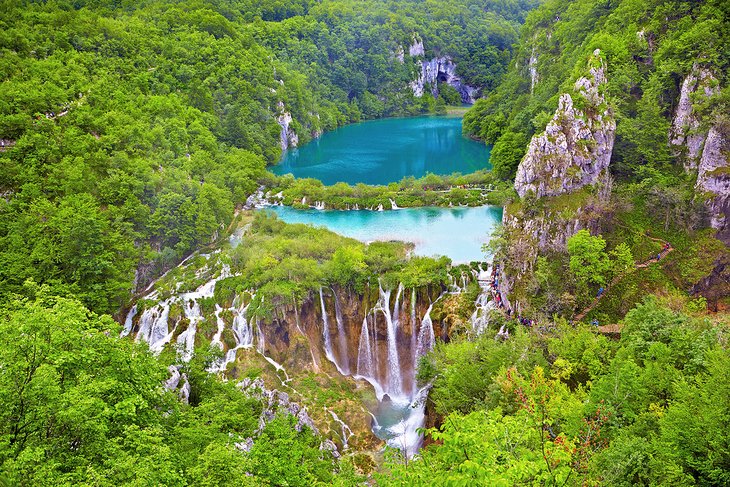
(383, 151)
(474, 189)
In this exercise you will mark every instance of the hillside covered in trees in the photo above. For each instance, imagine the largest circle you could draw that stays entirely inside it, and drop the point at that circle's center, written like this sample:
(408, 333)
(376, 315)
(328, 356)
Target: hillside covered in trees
(131, 131)
(155, 329)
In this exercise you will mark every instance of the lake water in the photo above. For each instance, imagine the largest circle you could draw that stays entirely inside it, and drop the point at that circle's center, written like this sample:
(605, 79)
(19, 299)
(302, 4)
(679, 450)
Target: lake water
(387, 150)
(455, 232)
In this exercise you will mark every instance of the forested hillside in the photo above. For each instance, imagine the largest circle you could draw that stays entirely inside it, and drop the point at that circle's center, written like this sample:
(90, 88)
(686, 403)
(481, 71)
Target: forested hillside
(131, 131)
(156, 328)
(649, 47)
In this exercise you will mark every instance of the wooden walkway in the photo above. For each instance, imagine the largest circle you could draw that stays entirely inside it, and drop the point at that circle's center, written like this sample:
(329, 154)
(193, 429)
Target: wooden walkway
(616, 279)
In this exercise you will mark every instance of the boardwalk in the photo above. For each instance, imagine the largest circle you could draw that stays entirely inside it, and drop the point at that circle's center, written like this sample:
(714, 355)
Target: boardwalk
(616, 279)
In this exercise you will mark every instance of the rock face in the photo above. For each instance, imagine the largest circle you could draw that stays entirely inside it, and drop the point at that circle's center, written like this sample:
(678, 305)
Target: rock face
(702, 149)
(442, 70)
(572, 153)
(416, 47)
(713, 179)
(575, 149)
(288, 138)
(686, 134)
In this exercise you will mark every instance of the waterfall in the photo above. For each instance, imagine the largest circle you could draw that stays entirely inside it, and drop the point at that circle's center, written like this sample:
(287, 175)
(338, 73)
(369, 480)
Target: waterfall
(414, 335)
(365, 352)
(426, 337)
(153, 327)
(394, 381)
(393, 205)
(480, 317)
(341, 336)
(345, 430)
(327, 337)
(216, 340)
(242, 332)
(367, 364)
(186, 340)
(129, 322)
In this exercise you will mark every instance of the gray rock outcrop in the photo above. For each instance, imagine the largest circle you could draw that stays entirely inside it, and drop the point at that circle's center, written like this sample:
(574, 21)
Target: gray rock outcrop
(416, 47)
(713, 180)
(575, 149)
(441, 70)
(686, 133)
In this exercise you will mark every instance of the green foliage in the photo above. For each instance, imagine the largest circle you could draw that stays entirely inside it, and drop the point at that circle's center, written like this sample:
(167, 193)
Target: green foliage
(588, 259)
(139, 127)
(570, 407)
(475, 189)
(285, 264)
(82, 407)
(649, 47)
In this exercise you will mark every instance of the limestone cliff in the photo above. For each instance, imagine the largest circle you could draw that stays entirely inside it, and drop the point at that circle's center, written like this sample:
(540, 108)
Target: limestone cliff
(713, 179)
(575, 149)
(441, 70)
(686, 134)
(563, 182)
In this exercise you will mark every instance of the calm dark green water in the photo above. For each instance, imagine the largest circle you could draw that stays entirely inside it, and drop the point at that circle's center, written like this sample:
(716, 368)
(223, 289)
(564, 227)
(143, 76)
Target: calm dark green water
(384, 151)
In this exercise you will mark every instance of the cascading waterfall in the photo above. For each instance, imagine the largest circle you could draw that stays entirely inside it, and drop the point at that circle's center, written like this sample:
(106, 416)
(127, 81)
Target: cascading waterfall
(153, 326)
(242, 333)
(186, 339)
(365, 352)
(345, 430)
(341, 336)
(396, 420)
(426, 337)
(327, 336)
(386, 357)
(129, 322)
(414, 338)
(394, 381)
(484, 303)
(153, 323)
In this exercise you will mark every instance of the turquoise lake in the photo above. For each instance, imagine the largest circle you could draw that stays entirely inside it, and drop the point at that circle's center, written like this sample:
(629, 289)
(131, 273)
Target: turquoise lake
(455, 232)
(387, 150)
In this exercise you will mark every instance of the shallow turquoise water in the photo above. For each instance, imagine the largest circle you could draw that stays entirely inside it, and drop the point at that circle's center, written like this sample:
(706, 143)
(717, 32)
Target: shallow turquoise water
(387, 150)
(455, 232)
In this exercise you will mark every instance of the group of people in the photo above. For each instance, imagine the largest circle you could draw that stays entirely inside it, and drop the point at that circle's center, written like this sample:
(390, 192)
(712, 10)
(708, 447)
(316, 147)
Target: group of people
(494, 284)
(665, 249)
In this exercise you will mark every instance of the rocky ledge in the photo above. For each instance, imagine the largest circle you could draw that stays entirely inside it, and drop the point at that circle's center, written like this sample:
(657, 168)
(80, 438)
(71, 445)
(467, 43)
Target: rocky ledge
(575, 149)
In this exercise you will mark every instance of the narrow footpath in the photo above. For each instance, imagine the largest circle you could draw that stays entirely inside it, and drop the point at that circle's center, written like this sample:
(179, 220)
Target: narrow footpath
(667, 248)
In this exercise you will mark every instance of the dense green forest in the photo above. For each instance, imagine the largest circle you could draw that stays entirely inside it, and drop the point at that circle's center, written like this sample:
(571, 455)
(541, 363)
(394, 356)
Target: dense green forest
(567, 406)
(649, 47)
(132, 135)
(135, 129)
